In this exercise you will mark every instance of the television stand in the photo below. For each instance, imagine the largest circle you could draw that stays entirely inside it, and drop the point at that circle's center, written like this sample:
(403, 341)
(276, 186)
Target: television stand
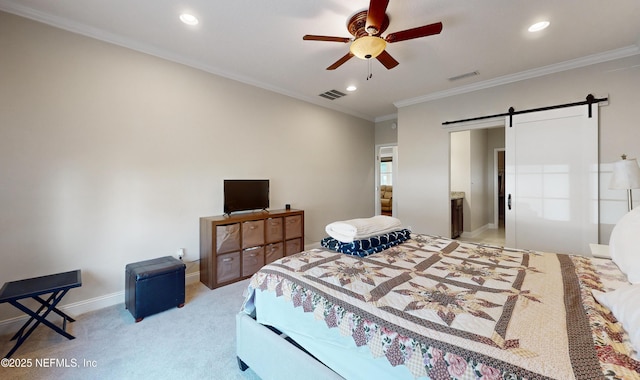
(239, 213)
(234, 247)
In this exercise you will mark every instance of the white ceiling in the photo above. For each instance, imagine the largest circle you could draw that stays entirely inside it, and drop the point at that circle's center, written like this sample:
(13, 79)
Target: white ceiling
(260, 42)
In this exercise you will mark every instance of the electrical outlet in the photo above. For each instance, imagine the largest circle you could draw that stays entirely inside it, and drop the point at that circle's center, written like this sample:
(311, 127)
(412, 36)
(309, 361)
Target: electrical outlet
(180, 253)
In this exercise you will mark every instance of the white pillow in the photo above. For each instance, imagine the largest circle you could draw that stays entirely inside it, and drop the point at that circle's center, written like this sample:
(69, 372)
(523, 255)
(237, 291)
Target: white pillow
(624, 245)
(624, 303)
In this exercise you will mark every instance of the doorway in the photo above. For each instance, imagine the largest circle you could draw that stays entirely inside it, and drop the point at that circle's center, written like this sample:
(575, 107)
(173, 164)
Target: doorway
(386, 171)
(474, 171)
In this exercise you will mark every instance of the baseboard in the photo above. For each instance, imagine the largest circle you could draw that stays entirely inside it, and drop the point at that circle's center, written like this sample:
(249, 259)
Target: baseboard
(11, 325)
(192, 278)
(312, 246)
(476, 232)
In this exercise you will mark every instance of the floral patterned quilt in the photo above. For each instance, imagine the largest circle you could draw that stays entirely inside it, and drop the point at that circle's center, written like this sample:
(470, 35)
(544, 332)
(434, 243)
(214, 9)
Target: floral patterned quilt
(452, 310)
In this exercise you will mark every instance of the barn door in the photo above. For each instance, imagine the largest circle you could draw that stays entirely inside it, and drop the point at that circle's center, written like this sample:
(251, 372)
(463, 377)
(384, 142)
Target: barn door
(551, 170)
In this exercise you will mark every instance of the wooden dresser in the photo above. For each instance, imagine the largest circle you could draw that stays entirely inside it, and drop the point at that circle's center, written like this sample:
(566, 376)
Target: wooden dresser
(234, 247)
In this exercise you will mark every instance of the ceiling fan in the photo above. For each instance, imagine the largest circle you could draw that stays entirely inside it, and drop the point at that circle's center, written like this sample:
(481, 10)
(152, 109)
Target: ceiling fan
(367, 42)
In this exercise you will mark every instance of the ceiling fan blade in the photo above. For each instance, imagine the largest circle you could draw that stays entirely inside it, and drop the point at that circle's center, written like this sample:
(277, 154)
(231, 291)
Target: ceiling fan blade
(339, 62)
(310, 37)
(387, 60)
(375, 16)
(421, 31)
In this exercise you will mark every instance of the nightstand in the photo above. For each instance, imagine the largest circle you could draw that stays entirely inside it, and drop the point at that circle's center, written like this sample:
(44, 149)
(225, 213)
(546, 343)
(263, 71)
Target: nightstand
(600, 251)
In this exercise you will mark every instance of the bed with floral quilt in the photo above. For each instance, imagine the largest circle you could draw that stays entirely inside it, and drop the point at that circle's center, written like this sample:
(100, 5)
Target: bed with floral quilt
(436, 308)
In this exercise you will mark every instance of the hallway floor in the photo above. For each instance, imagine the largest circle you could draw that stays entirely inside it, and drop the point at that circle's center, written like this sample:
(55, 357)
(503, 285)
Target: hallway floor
(493, 236)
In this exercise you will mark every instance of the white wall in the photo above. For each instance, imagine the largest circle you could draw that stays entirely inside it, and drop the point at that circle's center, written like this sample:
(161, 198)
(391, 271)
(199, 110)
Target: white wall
(478, 179)
(109, 156)
(461, 161)
(423, 181)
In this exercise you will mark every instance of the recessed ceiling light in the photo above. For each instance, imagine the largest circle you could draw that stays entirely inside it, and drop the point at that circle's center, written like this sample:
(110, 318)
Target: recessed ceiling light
(352, 88)
(189, 19)
(538, 26)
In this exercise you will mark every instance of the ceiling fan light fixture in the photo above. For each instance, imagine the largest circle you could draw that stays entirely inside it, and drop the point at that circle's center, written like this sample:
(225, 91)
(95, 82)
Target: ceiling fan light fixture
(368, 47)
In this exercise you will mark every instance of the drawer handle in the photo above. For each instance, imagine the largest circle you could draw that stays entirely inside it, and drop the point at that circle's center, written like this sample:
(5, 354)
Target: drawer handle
(227, 259)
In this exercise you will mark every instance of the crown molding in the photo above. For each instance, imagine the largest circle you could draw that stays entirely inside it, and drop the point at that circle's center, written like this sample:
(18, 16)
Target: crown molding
(528, 74)
(98, 34)
(83, 29)
(390, 116)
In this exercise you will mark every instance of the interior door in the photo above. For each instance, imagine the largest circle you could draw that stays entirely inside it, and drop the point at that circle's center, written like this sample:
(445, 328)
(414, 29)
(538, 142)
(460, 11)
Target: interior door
(552, 180)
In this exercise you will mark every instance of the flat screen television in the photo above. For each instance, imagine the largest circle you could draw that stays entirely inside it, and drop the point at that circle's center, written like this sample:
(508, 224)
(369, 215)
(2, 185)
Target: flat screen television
(245, 194)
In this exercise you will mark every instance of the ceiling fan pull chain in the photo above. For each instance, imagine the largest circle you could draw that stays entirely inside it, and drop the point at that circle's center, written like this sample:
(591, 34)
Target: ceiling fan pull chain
(369, 74)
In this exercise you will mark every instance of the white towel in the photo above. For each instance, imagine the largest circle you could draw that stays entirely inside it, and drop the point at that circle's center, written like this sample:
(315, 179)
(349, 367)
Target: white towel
(355, 229)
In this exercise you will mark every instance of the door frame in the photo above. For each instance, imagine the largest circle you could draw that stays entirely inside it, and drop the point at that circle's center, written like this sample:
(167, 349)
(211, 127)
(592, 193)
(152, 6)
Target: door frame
(496, 190)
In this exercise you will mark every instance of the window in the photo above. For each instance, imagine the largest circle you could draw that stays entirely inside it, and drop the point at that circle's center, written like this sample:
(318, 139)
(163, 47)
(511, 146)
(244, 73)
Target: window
(386, 171)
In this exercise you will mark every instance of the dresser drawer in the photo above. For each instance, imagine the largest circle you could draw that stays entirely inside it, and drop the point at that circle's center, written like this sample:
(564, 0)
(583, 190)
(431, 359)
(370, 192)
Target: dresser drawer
(252, 260)
(252, 233)
(228, 238)
(228, 267)
(234, 247)
(273, 230)
(293, 226)
(292, 246)
(273, 252)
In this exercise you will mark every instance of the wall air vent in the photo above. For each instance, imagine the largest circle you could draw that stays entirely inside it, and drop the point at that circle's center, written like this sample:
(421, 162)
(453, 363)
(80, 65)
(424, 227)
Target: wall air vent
(465, 75)
(332, 94)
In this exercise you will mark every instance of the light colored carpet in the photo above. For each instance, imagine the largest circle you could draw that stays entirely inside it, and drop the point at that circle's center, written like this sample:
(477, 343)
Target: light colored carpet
(194, 342)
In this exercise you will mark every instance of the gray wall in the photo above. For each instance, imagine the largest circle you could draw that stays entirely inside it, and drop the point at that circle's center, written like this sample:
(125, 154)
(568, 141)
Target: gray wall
(110, 156)
(386, 132)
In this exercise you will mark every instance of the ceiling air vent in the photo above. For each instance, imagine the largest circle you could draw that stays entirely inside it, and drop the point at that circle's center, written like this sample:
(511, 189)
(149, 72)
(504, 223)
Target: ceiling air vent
(332, 94)
(465, 75)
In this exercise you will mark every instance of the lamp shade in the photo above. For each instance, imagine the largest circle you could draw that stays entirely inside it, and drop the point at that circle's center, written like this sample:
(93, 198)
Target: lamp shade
(626, 174)
(368, 47)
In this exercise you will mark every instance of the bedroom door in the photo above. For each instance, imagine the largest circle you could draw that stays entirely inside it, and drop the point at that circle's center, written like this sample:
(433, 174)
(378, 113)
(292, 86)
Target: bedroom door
(552, 180)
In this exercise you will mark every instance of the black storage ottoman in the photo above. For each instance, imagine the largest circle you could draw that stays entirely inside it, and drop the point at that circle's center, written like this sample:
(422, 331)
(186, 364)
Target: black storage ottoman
(155, 285)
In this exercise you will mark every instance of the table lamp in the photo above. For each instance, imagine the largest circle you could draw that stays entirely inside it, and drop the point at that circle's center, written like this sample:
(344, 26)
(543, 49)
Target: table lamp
(626, 175)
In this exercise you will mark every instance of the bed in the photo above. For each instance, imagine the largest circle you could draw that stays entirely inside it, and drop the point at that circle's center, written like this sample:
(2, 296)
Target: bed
(435, 308)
